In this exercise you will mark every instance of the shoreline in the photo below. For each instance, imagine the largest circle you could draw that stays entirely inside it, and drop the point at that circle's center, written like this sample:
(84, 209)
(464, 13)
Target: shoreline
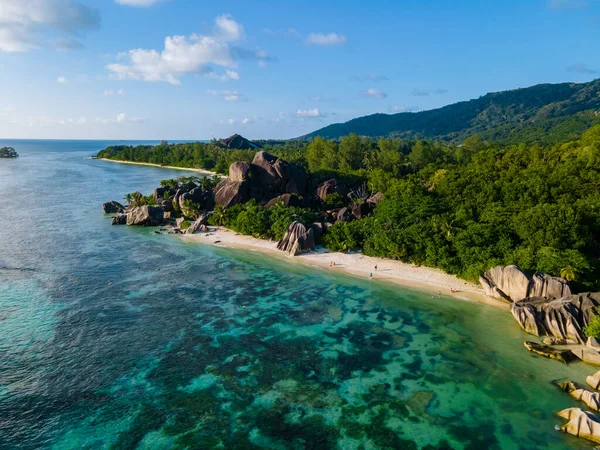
(424, 279)
(202, 171)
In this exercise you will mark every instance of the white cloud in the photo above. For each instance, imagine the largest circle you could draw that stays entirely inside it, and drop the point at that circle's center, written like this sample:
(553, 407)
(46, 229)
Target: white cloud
(246, 121)
(375, 93)
(110, 92)
(121, 118)
(29, 24)
(326, 39)
(183, 55)
(305, 113)
(138, 2)
(230, 96)
(228, 29)
(231, 122)
(62, 80)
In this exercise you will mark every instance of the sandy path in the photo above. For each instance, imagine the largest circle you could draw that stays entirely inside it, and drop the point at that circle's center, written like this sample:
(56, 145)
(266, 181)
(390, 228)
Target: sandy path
(420, 278)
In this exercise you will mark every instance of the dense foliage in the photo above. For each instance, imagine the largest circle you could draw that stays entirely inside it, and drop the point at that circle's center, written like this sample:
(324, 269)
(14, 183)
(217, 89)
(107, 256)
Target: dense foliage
(255, 220)
(546, 112)
(462, 208)
(8, 152)
(593, 329)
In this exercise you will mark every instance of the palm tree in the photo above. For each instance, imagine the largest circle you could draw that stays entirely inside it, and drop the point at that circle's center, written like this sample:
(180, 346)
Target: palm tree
(568, 273)
(129, 199)
(220, 214)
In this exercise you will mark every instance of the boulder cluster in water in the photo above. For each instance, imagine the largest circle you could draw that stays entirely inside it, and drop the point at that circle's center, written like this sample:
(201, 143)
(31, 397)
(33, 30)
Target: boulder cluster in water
(268, 180)
(8, 152)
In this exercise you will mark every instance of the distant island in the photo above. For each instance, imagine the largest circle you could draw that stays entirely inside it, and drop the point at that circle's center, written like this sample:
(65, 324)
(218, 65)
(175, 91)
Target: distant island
(542, 113)
(8, 152)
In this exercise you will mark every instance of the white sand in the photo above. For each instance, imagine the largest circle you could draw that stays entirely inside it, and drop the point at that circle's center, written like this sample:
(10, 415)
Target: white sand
(420, 278)
(202, 171)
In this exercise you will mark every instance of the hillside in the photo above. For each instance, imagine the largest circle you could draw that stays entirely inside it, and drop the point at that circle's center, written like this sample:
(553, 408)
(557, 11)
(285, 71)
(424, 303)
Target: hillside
(545, 112)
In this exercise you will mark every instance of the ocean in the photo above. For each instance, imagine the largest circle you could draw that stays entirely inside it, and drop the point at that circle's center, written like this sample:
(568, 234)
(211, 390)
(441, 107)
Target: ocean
(115, 337)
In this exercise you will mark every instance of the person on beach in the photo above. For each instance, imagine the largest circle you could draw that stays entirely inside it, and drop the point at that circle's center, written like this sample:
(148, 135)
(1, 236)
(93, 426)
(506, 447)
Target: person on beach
(439, 293)
(371, 275)
(375, 267)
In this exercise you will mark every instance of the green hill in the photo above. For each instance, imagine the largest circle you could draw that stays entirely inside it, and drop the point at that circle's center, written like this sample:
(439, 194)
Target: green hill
(545, 112)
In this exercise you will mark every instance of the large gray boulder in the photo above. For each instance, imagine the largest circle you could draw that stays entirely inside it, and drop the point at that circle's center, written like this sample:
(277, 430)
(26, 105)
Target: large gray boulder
(326, 188)
(562, 318)
(542, 285)
(199, 225)
(119, 219)
(239, 171)
(581, 423)
(228, 193)
(112, 208)
(145, 216)
(297, 239)
(591, 399)
(298, 179)
(161, 192)
(508, 283)
(286, 199)
(264, 174)
(198, 196)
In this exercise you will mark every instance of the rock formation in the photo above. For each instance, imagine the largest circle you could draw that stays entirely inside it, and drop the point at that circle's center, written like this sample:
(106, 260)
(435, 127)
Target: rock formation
(145, 216)
(581, 423)
(228, 193)
(511, 284)
(375, 199)
(591, 399)
(239, 171)
(199, 225)
(344, 215)
(272, 175)
(237, 142)
(297, 239)
(112, 208)
(562, 318)
(508, 283)
(594, 380)
(564, 356)
(197, 196)
(326, 188)
(119, 219)
(286, 199)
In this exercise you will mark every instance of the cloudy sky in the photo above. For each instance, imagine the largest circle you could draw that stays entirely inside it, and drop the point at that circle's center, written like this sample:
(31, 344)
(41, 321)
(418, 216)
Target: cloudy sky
(189, 69)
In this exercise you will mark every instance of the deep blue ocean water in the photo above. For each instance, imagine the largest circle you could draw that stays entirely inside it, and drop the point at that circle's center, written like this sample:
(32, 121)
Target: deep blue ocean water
(169, 358)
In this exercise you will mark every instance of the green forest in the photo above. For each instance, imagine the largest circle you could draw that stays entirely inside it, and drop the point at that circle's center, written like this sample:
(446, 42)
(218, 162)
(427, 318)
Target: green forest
(547, 113)
(462, 208)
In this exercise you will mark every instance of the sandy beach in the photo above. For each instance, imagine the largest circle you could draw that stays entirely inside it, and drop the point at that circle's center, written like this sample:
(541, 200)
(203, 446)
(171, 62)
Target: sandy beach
(202, 171)
(424, 279)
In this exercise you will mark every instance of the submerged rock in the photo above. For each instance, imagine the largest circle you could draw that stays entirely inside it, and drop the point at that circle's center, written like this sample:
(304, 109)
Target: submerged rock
(562, 318)
(145, 216)
(564, 356)
(581, 423)
(297, 239)
(112, 208)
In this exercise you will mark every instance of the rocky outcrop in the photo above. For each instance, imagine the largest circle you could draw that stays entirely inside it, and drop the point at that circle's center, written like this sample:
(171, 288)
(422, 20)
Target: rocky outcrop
(511, 284)
(237, 142)
(112, 208)
(587, 355)
(593, 343)
(581, 423)
(199, 225)
(145, 216)
(318, 229)
(228, 193)
(326, 188)
(591, 399)
(542, 285)
(270, 174)
(508, 283)
(297, 239)
(198, 196)
(362, 210)
(119, 219)
(562, 318)
(166, 205)
(161, 192)
(239, 171)
(286, 199)
(594, 380)
(564, 356)
(344, 215)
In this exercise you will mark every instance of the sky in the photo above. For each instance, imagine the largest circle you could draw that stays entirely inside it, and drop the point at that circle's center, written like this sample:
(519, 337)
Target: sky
(190, 69)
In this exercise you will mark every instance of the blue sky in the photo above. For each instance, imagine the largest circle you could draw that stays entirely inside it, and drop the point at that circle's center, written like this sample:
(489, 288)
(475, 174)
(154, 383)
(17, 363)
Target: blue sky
(189, 69)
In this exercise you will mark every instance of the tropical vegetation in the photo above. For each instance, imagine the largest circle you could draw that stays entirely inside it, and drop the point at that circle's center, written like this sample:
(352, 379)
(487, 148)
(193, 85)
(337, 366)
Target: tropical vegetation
(8, 152)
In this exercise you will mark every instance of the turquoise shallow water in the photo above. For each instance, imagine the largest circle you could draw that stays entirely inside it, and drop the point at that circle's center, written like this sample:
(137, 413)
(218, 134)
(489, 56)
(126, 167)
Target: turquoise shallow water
(169, 358)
